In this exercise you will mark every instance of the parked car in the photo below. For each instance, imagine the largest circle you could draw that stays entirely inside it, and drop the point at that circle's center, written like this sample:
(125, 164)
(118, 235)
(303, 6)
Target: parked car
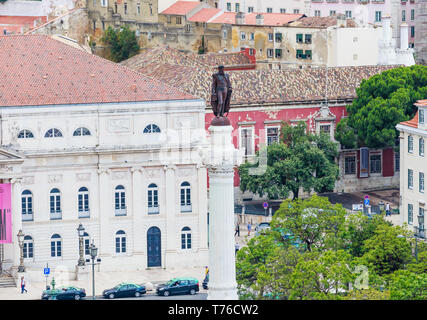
(205, 282)
(178, 286)
(64, 293)
(125, 290)
(261, 226)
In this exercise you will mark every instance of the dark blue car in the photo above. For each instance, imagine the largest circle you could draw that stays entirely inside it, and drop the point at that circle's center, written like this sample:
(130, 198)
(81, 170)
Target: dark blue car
(64, 293)
(124, 290)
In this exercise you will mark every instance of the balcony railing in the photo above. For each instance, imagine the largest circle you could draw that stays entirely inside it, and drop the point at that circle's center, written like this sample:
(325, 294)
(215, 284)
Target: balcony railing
(120, 211)
(153, 210)
(84, 214)
(27, 216)
(186, 208)
(56, 215)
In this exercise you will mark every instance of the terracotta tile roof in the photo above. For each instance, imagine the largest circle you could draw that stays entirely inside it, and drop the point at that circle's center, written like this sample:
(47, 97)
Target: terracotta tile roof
(413, 122)
(204, 15)
(181, 8)
(225, 59)
(20, 24)
(421, 103)
(37, 70)
(270, 19)
(321, 22)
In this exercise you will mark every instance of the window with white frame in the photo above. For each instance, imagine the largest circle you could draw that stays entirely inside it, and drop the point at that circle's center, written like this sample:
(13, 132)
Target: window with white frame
(237, 7)
(421, 116)
(86, 244)
(252, 37)
(270, 53)
(228, 6)
(282, 10)
(317, 13)
(375, 163)
(120, 201)
(242, 36)
(377, 16)
(272, 135)
(421, 181)
(270, 37)
(410, 178)
(83, 202)
(325, 128)
(410, 213)
(120, 241)
(25, 134)
(296, 11)
(403, 15)
(246, 140)
(269, 10)
(348, 14)
(420, 214)
(55, 204)
(53, 133)
(104, 3)
(186, 238)
(153, 199)
(56, 246)
(350, 165)
(81, 132)
(332, 12)
(396, 161)
(410, 144)
(27, 205)
(28, 249)
(152, 128)
(421, 146)
(185, 197)
(138, 8)
(250, 9)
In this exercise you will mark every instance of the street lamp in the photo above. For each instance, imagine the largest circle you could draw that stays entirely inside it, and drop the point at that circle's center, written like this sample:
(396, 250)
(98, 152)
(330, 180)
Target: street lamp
(418, 234)
(20, 236)
(93, 251)
(81, 232)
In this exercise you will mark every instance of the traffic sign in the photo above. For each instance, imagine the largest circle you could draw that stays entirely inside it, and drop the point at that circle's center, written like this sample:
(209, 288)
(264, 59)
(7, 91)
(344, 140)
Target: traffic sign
(366, 202)
(46, 271)
(265, 205)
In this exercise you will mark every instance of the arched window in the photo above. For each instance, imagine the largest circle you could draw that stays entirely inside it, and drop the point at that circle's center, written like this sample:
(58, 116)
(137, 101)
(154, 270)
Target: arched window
(421, 146)
(120, 241)
(55, 204)
(86, 243)
(83, 202)
(53, 133)
(24, 134)
(27, 205)
(185, 197)
(120, 201)
(186, 238)
(55, 246)
(81, 132)
(153, 199)
(152, 128)
(28, 249)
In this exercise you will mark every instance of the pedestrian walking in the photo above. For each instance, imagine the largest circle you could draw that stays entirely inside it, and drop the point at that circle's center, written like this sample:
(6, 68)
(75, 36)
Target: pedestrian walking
(249, 228)
(237, 230)
(23, 285)
(237, 247)
(387, 209)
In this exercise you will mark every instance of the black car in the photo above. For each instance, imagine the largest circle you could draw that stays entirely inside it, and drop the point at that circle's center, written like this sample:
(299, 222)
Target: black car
(64, 293)
(124, 290)
(178, 286)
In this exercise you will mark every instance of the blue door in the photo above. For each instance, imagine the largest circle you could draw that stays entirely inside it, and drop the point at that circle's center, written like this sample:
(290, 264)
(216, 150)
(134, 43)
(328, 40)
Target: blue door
(154, 247)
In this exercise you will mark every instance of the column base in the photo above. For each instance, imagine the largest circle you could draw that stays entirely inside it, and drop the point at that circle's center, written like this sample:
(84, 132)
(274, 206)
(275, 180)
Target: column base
(222, 293)
(82, 272)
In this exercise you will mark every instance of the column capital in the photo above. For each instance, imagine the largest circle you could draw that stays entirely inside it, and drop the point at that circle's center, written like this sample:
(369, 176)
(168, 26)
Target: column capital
(169, 166)
(15, 180)
(104, 170)
(137, 169)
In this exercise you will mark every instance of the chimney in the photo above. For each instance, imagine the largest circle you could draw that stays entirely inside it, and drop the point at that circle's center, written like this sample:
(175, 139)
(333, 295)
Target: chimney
(240, 18)
(386, 21)
(404, 43)
(259, 19)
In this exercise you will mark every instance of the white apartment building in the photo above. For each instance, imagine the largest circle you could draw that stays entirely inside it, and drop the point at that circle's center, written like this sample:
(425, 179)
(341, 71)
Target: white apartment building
(87, 141)
(267, 6)
(413, 169)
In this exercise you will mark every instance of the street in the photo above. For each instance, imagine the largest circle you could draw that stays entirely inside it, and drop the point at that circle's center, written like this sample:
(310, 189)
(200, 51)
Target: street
(153, 296)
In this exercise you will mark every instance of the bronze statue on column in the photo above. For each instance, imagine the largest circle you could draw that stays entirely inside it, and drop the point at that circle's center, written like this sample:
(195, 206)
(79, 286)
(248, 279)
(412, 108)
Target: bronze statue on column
(221, 96)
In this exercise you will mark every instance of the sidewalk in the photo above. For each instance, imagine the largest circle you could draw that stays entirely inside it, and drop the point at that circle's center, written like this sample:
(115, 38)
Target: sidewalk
(105, 280)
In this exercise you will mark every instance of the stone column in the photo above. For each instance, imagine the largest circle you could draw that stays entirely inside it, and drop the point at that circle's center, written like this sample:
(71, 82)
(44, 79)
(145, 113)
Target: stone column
(105, 209)
(171, 208)
(138, 211)
(222, 265)
(16, 220)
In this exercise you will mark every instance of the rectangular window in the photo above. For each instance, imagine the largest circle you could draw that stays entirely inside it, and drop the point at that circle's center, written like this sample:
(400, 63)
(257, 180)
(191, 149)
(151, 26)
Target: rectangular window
(410, 144)
(299, 38)
(169, 19)
(350, 165)
(250, 9)
(104, 3)
(300, 54)
(282, 10)
(269, 53)
(296, 11)
(246, 141)
(187, 27)
(375, 163)
(278, 53)
(252, 36)
(237, 7)
(413, 14)
(138, 8)
(332, 12)
(410, 213)
(242, 36)
(278, 37)
(421, 116)
(178, 20)
(325, 129)
(348, 14)
(317, 13)
(126, 8)
(377, 16)
(228, 6)
(308, 54)
(421, 146)
(403, 15)
(270, 37)
(272, 135)
(410, 179)
(412, 31)
(308, 38)
(396, 161)
(421, 181)
(269, 10)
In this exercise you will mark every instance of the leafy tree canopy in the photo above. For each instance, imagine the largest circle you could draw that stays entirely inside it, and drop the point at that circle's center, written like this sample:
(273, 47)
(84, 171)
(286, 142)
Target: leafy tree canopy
(122, 43)
(382, 101)
(299, 160)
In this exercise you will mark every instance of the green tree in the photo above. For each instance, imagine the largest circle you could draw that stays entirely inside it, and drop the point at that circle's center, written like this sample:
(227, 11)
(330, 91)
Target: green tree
(345, 134)
(406, 285)
(122, 43)
(314, 221)
(368, 294)
(383, 101)
(300, 160)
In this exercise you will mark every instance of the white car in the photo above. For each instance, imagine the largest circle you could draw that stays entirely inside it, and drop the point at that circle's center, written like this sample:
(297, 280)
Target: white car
(261, 226)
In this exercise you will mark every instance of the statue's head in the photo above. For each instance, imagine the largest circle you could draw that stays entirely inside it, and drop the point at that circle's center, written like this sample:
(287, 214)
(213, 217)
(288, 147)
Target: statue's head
(221, 69)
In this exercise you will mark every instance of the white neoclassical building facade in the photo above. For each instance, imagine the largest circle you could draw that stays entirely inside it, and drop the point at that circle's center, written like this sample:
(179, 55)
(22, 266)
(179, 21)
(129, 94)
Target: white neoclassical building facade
(86, 141)
(413, 169)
